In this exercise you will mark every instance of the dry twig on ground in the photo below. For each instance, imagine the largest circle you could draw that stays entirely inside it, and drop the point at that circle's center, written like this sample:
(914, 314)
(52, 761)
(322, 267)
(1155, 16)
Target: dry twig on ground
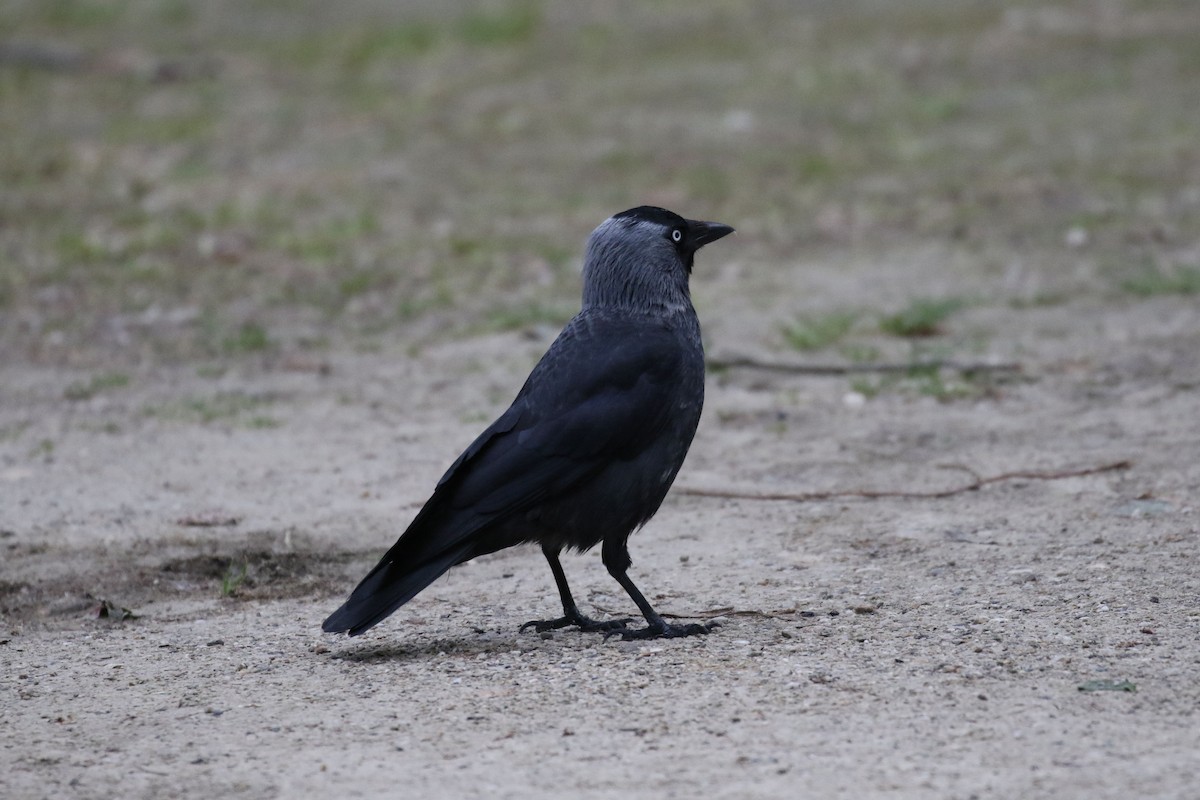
(855, 369)
(978, 481)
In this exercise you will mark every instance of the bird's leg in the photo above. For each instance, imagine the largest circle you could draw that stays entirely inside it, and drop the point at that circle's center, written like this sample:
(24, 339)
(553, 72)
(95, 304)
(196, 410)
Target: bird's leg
(571, 615)
(616, 559)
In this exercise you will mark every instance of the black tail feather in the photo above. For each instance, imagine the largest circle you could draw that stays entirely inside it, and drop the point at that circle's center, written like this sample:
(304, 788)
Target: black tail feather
(386, 588)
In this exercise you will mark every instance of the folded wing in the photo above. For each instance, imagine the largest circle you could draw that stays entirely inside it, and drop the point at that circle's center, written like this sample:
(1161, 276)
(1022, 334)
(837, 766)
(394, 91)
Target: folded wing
(585, 405)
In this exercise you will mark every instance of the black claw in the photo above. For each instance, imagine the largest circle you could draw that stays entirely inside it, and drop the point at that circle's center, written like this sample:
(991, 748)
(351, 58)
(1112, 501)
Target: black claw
(585, 624)
(664, 631)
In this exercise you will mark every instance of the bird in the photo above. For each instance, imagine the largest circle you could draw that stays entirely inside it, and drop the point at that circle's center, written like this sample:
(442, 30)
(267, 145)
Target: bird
(587, 451)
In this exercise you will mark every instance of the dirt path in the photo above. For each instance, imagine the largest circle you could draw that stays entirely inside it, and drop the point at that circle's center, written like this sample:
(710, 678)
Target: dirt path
(898, 648)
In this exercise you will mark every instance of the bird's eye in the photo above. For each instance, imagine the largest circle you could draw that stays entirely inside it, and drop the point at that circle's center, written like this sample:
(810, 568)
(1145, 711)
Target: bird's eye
(677, 236)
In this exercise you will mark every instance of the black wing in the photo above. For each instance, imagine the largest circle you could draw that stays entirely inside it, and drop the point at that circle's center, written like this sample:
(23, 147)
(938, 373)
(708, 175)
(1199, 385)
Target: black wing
(603, 392)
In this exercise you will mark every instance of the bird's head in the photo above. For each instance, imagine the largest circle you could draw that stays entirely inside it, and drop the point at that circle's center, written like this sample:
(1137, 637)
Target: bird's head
(643, 257)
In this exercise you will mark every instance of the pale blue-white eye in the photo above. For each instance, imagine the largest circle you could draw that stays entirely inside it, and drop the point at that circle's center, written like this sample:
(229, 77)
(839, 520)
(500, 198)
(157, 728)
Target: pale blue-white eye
(677, 236)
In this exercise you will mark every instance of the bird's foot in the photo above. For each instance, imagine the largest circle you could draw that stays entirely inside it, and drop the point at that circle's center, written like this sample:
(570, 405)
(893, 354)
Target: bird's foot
(664, 631)
(585, 624)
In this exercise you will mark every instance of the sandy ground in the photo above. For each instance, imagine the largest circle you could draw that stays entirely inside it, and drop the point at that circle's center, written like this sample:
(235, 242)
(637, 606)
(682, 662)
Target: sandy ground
(898, 647)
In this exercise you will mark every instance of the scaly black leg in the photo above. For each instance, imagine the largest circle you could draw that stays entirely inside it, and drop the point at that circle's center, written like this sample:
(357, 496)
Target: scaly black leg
(616, 559)
(571, 615)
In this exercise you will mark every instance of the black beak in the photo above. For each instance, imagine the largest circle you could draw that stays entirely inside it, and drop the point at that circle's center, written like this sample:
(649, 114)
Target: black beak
(701, 233)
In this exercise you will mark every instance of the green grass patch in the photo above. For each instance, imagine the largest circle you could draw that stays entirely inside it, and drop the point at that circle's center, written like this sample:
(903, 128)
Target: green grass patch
(928, 381)
(442, 296)
(358, 282)
(708, 184)
(322, 243)
(925, 377)
(867, 387)
(163, 130)
(1040, 300)
(387, 42)
(250, 338)
(860, 353)
(232, 579)
(816, 167)
(931, 381)
(14, 430)
(44, 449)
(1182, 280)
(235, 407)
(814, 332)
(922, 317)
(514, 25)
(85, 390)
(80, 13)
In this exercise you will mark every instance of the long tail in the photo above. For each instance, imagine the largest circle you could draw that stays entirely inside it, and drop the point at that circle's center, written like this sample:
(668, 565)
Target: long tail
(387, 587)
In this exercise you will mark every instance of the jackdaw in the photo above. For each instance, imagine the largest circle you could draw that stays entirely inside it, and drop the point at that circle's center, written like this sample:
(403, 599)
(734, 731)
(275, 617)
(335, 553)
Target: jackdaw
(593, 441)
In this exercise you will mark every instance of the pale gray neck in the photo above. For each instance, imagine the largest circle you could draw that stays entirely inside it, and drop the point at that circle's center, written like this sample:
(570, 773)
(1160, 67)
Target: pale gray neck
(634, 269)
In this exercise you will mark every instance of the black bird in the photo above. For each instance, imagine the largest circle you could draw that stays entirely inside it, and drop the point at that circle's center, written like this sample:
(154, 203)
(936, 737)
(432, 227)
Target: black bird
(593, 441)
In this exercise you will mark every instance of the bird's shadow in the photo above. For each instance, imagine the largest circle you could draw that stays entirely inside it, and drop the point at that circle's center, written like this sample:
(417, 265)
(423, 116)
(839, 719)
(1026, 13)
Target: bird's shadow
(424, 649)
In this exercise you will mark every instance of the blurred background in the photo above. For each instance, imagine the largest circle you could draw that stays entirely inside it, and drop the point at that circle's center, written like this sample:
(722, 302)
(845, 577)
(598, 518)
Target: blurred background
(213, 180)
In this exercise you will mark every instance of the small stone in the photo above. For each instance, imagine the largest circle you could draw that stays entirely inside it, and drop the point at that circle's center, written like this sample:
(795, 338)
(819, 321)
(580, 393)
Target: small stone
(1023, 575)
(854, 399)
(1076, 237)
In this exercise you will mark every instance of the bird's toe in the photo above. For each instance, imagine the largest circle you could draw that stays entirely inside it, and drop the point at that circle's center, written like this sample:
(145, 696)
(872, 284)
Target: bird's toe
(664, 631)
(543, 625)
(604, 626)
(585, 624)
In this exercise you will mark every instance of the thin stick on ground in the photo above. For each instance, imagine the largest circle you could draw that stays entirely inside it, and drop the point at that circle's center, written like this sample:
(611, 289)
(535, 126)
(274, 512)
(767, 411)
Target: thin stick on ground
(715, 613)
(854, 369)
(976, 483)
